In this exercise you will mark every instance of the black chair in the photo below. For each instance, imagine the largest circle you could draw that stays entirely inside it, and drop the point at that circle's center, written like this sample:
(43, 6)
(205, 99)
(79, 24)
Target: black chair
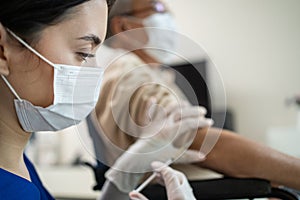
(212, 189)
(227, 188)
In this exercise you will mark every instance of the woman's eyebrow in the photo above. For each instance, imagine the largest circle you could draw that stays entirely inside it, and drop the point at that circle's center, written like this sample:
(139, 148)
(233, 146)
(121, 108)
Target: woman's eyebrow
(92, 38)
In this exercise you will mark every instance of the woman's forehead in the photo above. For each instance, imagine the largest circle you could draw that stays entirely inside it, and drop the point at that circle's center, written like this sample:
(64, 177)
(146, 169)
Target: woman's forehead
(90, 17)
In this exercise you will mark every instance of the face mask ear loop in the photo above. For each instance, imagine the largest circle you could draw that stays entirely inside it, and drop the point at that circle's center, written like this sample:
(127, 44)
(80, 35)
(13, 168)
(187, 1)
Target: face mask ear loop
(11, 88)
(31, 49)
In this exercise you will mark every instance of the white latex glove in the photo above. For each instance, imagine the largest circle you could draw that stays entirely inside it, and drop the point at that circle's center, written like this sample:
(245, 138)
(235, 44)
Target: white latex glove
(137, 196)
(177, 185)
(175, 182)
(179, 123)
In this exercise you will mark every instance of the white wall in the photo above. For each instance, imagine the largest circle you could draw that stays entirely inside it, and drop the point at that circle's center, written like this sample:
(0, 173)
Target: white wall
(256, 46)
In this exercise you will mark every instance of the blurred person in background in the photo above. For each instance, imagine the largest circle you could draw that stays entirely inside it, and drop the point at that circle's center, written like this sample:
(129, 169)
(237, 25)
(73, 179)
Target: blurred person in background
(232, 155)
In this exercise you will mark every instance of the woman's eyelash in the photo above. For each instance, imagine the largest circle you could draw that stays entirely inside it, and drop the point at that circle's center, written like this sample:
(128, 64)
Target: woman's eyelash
(84, 56)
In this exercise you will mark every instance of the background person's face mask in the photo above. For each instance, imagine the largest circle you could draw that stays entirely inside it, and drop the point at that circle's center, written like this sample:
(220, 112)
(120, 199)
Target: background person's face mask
(162, 40)
(76, 91)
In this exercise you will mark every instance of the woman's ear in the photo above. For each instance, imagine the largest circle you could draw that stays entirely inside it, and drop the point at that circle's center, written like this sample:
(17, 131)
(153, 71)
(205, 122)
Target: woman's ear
(4, 70)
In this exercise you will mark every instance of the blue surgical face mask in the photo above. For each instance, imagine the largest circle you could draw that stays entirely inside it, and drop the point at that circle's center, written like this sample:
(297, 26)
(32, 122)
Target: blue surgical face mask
(76, 91)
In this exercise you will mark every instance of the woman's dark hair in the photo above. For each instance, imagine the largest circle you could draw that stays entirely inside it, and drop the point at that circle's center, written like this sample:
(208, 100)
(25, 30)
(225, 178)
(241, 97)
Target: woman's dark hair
(110, 3)
(28, 17)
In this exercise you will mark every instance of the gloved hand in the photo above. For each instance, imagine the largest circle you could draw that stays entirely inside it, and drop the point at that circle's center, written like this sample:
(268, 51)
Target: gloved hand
(176, 184)
(158, 143)
(137, 196)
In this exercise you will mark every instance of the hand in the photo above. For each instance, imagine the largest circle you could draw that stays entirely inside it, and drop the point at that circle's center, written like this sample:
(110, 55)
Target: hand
(175, 125)
(137, 196)
(176, 184)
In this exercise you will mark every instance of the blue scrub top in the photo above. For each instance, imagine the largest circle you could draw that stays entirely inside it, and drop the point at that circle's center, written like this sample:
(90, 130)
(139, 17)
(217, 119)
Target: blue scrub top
(15, 187)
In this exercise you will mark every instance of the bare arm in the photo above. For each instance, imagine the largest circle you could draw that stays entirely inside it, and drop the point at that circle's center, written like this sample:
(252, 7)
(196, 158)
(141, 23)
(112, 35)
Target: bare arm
(237, 156)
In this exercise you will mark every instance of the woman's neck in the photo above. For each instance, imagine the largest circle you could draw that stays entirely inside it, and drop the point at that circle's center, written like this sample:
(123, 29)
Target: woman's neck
(12, 138)
(12, 145)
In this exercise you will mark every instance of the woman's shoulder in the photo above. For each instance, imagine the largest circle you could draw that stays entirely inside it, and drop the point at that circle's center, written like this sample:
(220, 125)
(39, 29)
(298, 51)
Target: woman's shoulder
(13, 186)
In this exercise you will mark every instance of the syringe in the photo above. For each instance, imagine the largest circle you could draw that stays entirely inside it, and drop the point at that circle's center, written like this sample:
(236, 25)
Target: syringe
(148, 180)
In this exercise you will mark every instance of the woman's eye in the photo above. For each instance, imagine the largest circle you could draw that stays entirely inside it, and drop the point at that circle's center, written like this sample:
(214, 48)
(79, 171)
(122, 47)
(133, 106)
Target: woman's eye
(84, 56)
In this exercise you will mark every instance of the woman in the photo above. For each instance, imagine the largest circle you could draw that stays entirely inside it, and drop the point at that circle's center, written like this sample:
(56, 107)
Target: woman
(64, 32)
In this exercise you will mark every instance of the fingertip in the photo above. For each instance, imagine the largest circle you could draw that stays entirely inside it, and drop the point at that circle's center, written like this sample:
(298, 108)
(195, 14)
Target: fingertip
(204, 123)
(133, 194)
(210, 122)
(203, 110)
(201, 156)
(156, 165)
